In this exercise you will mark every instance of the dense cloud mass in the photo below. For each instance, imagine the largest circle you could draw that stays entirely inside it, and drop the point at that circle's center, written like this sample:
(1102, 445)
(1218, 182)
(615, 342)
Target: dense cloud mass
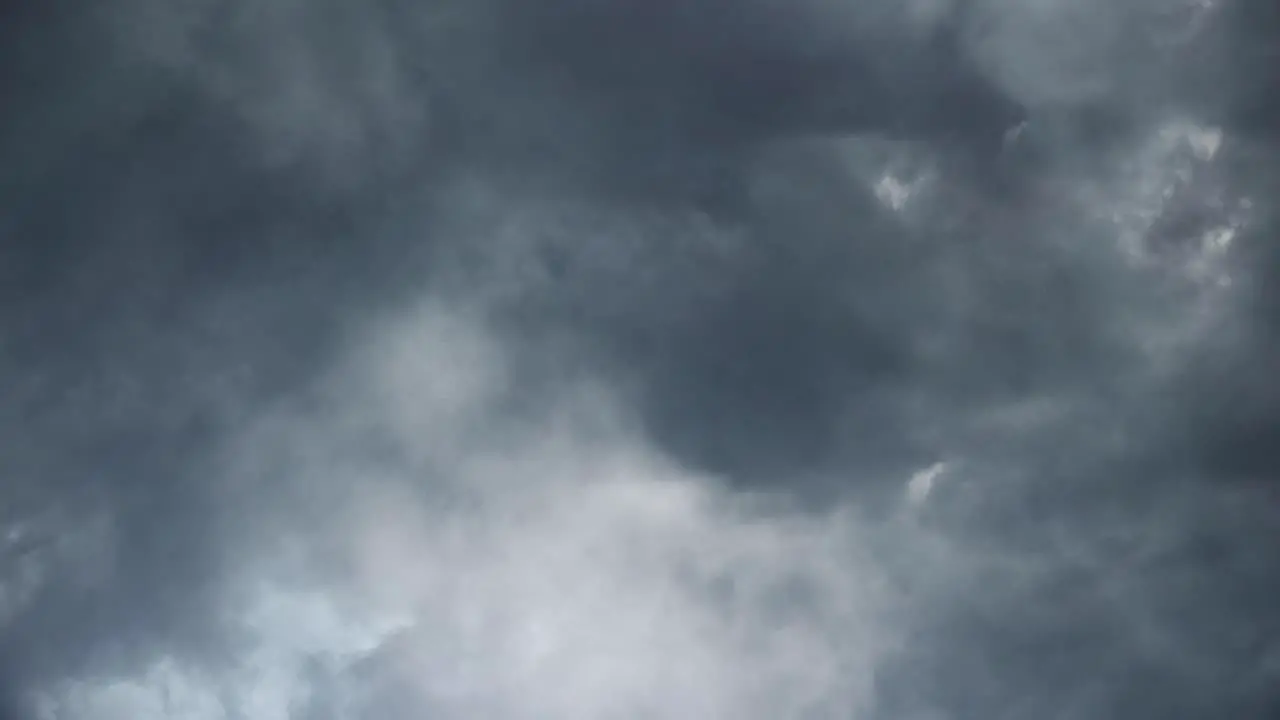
(595, 359)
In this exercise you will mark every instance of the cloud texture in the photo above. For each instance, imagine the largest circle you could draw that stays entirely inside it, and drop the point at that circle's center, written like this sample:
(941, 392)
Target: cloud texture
(432, 359)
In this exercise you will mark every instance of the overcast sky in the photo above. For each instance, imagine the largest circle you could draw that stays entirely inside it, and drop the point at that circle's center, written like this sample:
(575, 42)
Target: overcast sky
(584, 360)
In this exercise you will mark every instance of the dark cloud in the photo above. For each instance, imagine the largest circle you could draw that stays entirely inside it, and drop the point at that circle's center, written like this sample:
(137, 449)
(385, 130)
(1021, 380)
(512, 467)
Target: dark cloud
(620, 359)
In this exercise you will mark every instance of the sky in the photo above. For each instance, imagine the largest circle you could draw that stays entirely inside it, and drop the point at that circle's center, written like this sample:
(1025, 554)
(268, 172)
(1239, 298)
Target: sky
(598, 359)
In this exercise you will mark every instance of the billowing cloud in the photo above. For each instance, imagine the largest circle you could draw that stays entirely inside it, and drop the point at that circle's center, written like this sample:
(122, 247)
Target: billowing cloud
(453, 360)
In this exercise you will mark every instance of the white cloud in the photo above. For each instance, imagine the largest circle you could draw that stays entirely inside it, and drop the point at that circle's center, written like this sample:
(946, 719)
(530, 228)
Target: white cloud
(922, 482)
(567, 570)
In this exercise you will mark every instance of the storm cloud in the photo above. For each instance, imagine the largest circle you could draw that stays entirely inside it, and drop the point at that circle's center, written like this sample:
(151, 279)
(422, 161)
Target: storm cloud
(608, 359)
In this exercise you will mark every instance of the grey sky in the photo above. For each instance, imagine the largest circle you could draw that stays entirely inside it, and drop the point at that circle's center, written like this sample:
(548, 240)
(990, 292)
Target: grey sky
(605, 359)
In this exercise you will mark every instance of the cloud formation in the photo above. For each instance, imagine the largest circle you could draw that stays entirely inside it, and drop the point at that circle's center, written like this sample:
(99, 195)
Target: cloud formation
(442, 359)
